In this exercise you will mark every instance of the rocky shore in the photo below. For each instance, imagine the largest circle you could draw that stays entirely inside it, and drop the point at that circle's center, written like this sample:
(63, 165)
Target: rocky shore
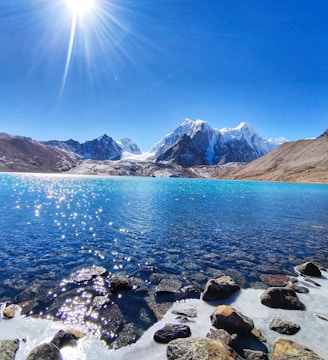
(221, 321)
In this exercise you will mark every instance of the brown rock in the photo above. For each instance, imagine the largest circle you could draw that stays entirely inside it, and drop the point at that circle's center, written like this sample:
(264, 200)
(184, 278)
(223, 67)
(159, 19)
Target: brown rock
(227, 318)
(220, 288)
(199, 349)
(284, 349)
(255, 355)
(282, 298)
(275, 280)
(9, 311)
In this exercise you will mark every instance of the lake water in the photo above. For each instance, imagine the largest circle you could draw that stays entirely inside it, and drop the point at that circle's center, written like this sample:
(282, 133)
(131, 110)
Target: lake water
(191, 229)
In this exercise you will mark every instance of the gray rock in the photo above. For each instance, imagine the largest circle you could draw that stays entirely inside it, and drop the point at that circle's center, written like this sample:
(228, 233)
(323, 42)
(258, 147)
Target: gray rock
(63, 338)
(309, 269)
(254, 355)
(8, 349)
(120, 283)
(282, 298)
(284, 327)
(99, 301)
(45, 352)
(171, 332)
(224, 336)
(220, 288)
(200, 349)
(284, 349)
(87, 274)
(186, 312)
(168, 286)
(298, 288)
(227, 318)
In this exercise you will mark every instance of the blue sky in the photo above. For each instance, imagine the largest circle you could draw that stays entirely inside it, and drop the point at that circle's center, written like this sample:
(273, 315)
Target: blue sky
(139, 67)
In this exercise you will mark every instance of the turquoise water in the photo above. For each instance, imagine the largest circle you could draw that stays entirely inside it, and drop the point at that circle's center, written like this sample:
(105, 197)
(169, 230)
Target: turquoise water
(194, 229)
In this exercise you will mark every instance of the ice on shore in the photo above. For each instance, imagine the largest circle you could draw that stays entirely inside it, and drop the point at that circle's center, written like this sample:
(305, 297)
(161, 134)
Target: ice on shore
(313, 333)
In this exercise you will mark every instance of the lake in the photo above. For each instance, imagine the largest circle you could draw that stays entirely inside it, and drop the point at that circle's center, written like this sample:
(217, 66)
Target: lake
(189, 229)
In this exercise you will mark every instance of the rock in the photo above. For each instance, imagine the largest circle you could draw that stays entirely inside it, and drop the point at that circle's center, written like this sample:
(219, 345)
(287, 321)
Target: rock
(39, 291)
(189, 292)
(220, 288)
(63, 338)
(224, 336)
(168, 286)
(199, 349)
(311, 281)
(120, 283)
(27, 306)
(9, 311)
(227, 318)
(309, 269)
(284, 327)
(186, 312)
(78, 334)
(87, 274)
(45, 352)
(275, 280)
(284, 349)
(282, 298)
(298, 288)
(99, 301)
(171, 332)
(8, 349)
(254, 355)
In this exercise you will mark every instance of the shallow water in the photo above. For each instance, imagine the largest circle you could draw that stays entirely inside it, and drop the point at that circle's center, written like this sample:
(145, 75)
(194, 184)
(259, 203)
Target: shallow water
(51, 225)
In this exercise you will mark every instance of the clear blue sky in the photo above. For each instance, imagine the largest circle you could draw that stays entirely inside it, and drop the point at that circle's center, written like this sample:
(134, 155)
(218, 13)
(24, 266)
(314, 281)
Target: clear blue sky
(139, 67)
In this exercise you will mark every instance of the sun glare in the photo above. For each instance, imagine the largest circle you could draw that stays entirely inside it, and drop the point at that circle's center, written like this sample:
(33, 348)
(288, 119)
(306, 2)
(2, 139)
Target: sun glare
(80, 7)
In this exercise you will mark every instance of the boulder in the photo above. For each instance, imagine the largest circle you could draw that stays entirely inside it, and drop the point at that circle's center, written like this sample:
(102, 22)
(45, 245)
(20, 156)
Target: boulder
(171, 332)
(227, 318)
(64, 338)
(309, 269)
(282, 298)
(9, 311)
(168, 286)
(189, 292)
(284, 349)
(224, 336)
(45, 352)
(284, 327)
(120, 283)
(199, 349)
(8, 349)
(220, 288)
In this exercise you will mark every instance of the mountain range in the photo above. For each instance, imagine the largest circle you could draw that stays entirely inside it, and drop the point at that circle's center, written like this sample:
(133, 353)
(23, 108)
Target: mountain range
(193, 149)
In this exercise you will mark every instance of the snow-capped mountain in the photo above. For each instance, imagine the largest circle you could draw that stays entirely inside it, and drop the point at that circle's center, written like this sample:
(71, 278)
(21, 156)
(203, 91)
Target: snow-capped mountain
(239, 144)
(129, 146)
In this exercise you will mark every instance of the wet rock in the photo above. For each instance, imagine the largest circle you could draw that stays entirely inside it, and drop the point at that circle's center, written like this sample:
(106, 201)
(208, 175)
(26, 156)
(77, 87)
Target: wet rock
(311, 281)
(8, 349)
(275, 280)
(199, 348)
(158, 309)
(168, 286)
(254, 355)
(87, 274)
(38, 291)
(171, 332)
(284, 349)
(99, 301)
(120, 283)
(227, 318)
(64, 338)
(189, 292)
(284, 327)
(309, 269)
(224, 336)
(282, 298)
(45, 352)
(27, 306)
(220, 288)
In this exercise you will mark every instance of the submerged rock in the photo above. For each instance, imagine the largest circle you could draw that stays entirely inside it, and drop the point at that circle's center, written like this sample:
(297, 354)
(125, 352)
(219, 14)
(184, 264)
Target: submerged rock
(120, 283)
(168, 286)
(87, 274)
(309, 269)
(275, 280)
(200, 349)
(171, 332)
(284, 349)
(8, 349)
(227, 318)
(45, 352)
(220, 288)
(284, 327)
(282, 298)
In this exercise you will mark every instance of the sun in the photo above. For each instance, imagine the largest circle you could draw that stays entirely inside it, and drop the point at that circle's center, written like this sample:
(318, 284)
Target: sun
(80, 7)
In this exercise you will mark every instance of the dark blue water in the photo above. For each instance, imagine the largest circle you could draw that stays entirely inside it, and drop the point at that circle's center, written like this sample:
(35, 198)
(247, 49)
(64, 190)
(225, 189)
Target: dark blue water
(193, 229)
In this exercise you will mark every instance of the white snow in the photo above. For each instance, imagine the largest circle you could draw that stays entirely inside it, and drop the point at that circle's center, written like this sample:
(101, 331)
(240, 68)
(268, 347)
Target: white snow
(137, 157)
(313, 333)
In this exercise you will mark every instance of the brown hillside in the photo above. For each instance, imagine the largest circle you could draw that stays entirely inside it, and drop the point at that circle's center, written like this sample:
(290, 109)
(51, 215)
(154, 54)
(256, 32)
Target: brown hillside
(304, 161)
